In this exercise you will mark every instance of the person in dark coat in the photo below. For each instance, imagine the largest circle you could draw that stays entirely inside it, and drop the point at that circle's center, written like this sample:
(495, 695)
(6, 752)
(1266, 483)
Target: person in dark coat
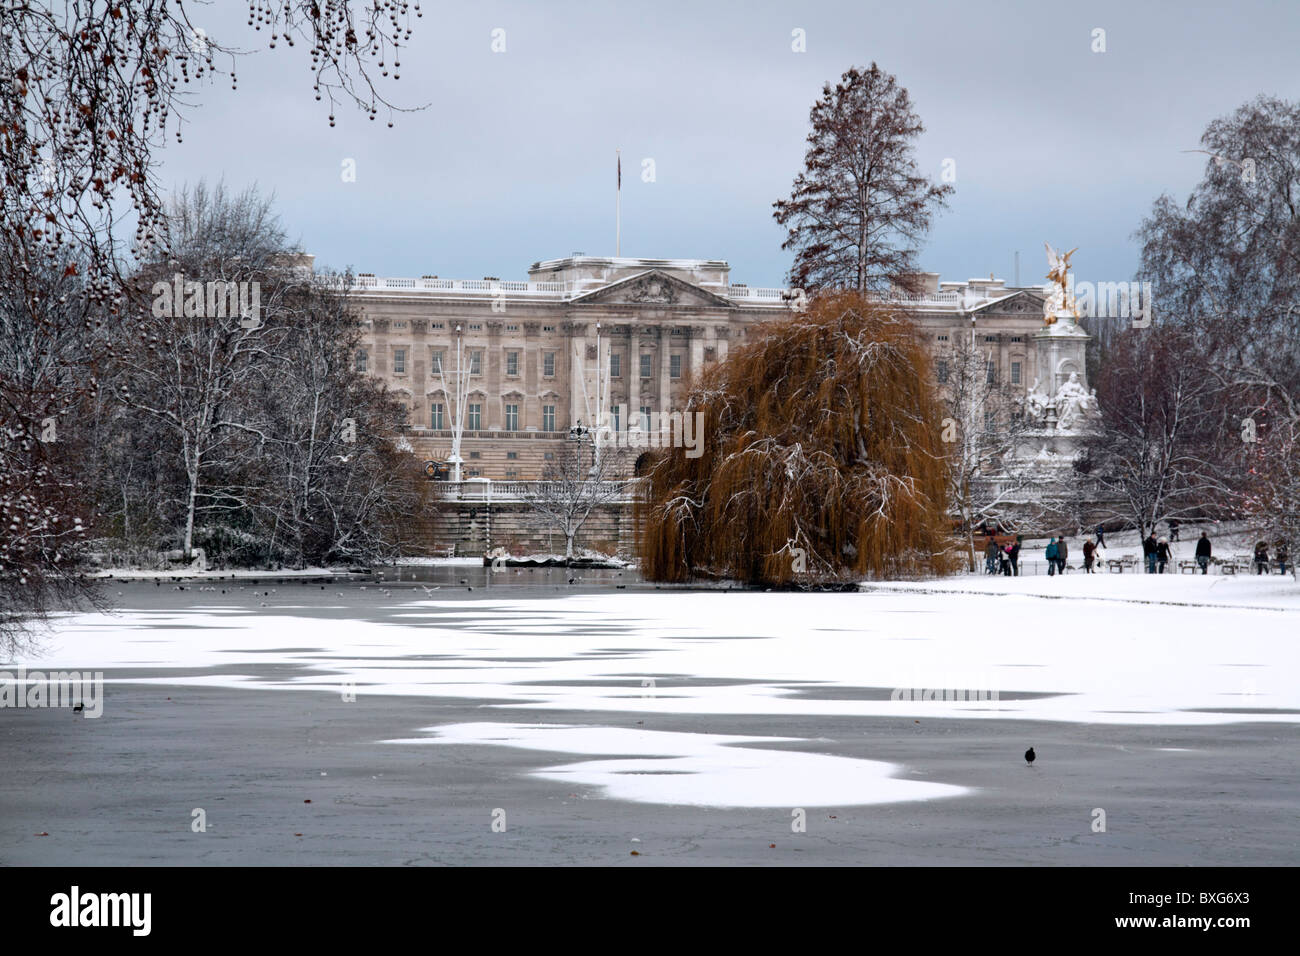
(1101, 536)
(1015, 555)
(1089, 551)
(1149, 545)
(1004, 557)
(1050, 555)
(1203, 553)
(1281, 557)
(990, 556)
(1062, 552)
(1173, 529)
(1162, 554)
(1261, 558)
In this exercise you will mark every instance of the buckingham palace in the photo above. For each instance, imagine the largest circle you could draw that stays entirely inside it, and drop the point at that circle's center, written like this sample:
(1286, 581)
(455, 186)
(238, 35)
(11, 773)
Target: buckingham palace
(530, 354)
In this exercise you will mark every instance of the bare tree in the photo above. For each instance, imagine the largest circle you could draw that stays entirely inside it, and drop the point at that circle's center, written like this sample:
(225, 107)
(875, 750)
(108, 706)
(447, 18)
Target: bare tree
(857, 213)
(89, 93)
(984, 432)
(570, 490)
(1226, 265)
(203, 328)
(1156, 450)
(46, 380)
(330, 483)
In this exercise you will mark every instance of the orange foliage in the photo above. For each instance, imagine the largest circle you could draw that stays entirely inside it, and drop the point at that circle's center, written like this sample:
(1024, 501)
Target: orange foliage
(821, 459)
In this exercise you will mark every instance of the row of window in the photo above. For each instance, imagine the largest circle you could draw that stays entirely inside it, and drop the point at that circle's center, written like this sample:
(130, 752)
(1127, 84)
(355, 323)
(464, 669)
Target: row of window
(512, 363)
(990, 372)
(474, 417)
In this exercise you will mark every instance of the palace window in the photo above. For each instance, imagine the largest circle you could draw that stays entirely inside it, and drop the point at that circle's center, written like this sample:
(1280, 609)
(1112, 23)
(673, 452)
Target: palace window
(512, 328)
(1015, 373)
(942, 338)
(990, 338)
(435, 416)
(645, 418)
(399, 361)
(941, 370)
(1017, 338)
(512, 456)
(548, 418)
(549, 456)
(674, 366)
(512, 363)
(476, 454)
(512, 475)
(435, 362)
(613, 418)
(475, 416)
(400, 324)
(512, 418)
(645, 365)
(990, 372)
(548, 328)
(614, 362)
(476, 363)
(362, 360)
(476, 326)
(548, 364)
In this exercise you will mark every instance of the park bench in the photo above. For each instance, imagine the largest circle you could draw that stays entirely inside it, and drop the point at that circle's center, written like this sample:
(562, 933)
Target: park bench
(1115, 565)
(1188, 567)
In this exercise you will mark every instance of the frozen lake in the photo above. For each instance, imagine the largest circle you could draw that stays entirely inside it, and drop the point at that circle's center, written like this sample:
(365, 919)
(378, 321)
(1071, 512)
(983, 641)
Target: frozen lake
(610, 690)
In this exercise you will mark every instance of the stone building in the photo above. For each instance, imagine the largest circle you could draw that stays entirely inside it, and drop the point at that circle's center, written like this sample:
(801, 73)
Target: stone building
(530, 347)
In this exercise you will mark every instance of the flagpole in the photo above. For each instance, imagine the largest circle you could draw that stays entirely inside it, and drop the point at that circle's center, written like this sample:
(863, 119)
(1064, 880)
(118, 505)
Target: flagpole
(618, 207)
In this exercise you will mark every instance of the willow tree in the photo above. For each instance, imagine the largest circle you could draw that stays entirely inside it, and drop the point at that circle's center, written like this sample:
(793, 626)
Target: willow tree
(821, 459)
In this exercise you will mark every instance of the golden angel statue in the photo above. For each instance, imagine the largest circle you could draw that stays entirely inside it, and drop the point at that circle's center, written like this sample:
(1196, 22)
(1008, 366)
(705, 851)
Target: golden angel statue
(1059, 298)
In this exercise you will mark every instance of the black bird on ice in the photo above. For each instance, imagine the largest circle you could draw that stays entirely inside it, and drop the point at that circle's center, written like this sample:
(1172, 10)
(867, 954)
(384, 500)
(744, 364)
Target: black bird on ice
(1029, 755)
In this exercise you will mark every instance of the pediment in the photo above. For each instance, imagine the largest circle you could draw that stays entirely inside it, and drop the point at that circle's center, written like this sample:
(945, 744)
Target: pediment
(653, 288)
(1022, 303)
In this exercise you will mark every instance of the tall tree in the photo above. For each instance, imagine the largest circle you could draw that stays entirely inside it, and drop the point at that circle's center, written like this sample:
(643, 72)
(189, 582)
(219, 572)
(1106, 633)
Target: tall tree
(859, 210)
(1226, 265)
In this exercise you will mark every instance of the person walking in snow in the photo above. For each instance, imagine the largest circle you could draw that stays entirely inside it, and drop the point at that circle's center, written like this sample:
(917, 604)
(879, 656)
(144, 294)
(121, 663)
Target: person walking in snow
(1203, 553)
(1015, 555)
(1162, 554)
(1101, 536)
(1149, 546)
(1173, 529)
(1050, 554)
(1004, 559)
(1281, 557)
(1089, 554)
(990, 556)
(1062, 552)
(1261, 558)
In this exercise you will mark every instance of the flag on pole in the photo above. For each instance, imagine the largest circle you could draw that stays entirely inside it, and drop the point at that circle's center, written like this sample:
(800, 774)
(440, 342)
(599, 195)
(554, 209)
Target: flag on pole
(620, 170)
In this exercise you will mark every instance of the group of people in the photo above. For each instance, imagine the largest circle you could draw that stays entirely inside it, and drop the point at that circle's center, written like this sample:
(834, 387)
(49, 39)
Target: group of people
(1156, 552)
(1004, 559)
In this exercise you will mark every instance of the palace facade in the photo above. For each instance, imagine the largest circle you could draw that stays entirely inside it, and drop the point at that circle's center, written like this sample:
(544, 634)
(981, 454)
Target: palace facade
(531, 350)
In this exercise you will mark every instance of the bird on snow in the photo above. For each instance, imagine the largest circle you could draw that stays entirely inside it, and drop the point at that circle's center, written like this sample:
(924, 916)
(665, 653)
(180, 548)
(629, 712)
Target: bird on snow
(1029, 756)
(79, 707)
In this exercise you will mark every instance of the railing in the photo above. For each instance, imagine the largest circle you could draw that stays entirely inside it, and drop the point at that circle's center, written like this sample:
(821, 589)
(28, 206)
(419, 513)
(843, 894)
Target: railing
(487, 490)
(493, 287)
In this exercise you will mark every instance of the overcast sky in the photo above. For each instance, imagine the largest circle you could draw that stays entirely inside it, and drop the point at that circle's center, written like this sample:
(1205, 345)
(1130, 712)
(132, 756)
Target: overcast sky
(513, 160)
